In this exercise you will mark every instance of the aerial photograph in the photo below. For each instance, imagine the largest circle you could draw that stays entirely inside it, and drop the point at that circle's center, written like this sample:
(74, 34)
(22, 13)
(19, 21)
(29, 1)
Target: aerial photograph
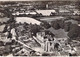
(40, 28)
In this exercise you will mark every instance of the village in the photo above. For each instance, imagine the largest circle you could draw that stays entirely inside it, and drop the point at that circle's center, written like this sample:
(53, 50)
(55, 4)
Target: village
(39, 29)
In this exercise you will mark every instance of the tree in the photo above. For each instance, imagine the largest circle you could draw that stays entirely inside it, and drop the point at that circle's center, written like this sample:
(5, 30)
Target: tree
(5, 29)
(67, 26)
(45, 25)
(56, 46)
(11, 20)
(47, 32)
(55, 24)
(25, 25)
(61, 23)
(74, 31)
(35, 28)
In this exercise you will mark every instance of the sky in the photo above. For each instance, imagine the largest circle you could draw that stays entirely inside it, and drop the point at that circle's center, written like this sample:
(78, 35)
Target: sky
(39, 0)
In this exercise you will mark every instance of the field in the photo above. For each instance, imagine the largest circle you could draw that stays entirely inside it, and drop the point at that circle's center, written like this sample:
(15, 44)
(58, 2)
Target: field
(27, 20)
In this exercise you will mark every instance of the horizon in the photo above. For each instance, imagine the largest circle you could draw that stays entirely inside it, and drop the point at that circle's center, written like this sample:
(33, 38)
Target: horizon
(39, 0)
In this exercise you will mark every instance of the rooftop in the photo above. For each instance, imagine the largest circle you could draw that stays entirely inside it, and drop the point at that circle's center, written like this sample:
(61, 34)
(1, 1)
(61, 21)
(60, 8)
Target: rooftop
(45, 12)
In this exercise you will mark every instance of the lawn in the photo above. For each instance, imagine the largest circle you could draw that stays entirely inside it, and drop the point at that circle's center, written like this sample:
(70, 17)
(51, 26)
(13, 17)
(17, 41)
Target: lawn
(27, 20)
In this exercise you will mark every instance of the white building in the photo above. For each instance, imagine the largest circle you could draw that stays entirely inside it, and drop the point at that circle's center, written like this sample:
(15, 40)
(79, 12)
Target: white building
(45, 12)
